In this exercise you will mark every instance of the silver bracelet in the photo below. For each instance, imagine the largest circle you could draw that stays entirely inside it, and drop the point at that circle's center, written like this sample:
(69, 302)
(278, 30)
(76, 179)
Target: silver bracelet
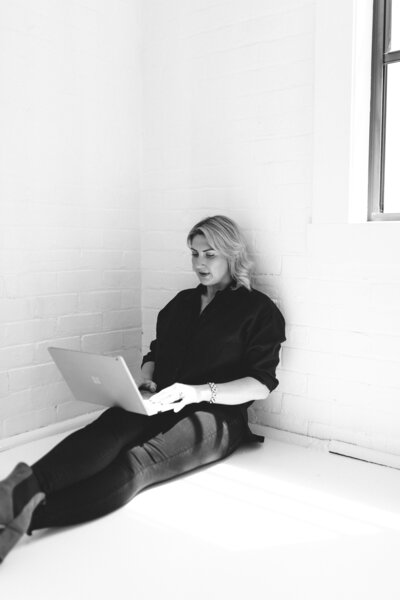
(213, 389)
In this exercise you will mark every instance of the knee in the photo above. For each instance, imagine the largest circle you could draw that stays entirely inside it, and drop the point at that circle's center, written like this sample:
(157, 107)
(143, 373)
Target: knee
(112, 416)
(116, 419)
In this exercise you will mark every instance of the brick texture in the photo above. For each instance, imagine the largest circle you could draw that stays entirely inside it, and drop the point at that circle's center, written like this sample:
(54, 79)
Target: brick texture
(125, 123)
(69, 189)
(228, 128)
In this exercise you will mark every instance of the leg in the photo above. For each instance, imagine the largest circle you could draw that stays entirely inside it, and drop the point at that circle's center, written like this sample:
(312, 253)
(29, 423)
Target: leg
(91, 449)
(76, 458)
(194, 437)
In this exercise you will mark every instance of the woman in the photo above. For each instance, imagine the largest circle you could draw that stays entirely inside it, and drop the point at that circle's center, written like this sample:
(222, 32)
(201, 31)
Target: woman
(216, 351)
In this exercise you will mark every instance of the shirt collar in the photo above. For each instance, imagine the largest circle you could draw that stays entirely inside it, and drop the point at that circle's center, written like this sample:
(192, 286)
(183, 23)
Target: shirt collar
(201, 289)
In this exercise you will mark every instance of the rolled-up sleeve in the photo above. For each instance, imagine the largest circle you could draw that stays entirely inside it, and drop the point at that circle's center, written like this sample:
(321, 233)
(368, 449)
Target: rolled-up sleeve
(265, 334)
(151, 355)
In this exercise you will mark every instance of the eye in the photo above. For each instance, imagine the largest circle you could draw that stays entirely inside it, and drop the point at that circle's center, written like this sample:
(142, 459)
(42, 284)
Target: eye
(210, 255)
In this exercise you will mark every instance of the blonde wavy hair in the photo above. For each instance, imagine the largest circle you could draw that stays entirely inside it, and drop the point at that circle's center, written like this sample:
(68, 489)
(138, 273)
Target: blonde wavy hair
(224, 235)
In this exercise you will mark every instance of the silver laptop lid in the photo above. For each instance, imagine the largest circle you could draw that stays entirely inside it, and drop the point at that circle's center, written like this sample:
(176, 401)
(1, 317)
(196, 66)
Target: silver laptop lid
(99, 379)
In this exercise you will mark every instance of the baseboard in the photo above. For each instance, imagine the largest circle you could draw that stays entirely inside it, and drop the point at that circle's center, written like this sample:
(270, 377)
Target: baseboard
(346, 449)
(366, 454)
(49, 430)
(289, 437)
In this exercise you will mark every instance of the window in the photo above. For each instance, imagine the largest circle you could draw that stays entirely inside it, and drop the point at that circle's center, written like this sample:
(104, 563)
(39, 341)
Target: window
(384, 160)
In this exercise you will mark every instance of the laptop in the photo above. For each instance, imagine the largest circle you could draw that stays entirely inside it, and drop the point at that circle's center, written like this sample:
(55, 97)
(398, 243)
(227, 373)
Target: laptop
(102, 380)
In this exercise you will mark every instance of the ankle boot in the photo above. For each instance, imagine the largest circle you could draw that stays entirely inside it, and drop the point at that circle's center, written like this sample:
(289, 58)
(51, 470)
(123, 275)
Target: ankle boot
(20, 473)
(11, 534)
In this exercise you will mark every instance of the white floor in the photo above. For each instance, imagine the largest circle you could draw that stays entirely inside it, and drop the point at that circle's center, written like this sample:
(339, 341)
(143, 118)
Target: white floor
(276, 521)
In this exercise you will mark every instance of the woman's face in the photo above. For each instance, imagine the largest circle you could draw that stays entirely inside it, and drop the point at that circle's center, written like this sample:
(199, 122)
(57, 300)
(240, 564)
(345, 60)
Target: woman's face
(210, 266)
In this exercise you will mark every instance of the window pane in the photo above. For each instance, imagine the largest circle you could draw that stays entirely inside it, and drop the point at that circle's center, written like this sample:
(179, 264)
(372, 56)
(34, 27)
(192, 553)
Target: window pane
(395, 38)
(392, 152)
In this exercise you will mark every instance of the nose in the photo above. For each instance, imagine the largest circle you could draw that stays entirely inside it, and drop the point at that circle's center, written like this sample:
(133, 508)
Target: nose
(198, 261)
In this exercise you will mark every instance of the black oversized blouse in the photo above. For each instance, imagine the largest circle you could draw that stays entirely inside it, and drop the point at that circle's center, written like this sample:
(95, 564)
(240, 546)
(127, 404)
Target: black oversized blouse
(238, 334)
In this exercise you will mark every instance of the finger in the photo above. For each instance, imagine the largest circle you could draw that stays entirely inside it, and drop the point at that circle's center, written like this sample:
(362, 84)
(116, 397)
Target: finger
(161, 398)
(151, 386)
(179, 405)
(148, 385)
(164, 407)
(166, 396)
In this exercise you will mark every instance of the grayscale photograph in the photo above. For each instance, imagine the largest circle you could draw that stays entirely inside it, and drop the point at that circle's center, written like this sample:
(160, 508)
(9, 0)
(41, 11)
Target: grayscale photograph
(199, 299)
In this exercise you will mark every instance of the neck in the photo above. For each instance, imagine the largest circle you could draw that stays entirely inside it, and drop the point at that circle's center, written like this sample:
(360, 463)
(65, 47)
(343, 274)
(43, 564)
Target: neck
(211, 290)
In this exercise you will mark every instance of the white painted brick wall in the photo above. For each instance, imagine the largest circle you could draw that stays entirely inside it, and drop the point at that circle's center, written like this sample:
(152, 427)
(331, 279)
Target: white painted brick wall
(228, 128)
(228, 91)
(69, 197)
(233, 131)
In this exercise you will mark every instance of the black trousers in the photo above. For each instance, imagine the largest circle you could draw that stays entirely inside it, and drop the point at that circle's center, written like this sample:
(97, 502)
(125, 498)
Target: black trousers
(99, 468)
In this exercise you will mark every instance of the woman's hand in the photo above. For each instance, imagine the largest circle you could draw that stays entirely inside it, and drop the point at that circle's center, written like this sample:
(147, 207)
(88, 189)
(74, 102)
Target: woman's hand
(148, 385)
(178, 395)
